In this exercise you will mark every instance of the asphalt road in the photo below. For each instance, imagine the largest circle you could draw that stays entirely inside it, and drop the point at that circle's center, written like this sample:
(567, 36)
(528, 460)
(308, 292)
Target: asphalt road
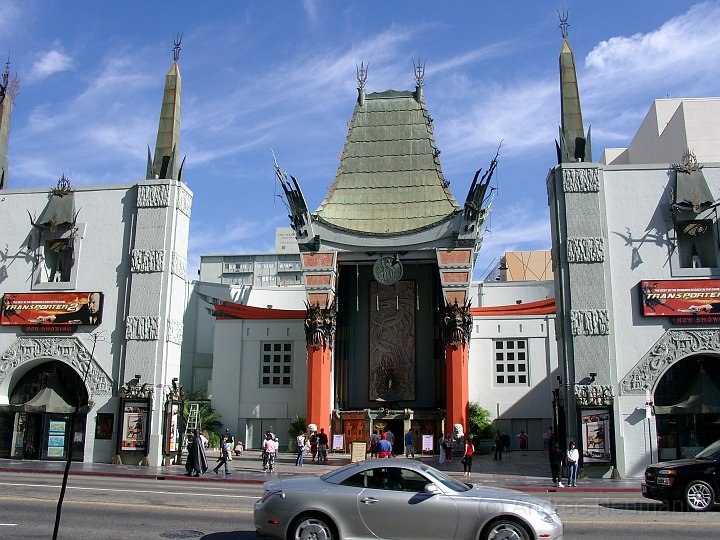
(118, 508)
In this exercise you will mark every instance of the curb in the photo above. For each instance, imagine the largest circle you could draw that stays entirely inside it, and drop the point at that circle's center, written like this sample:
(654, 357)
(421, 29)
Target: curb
(253, 481)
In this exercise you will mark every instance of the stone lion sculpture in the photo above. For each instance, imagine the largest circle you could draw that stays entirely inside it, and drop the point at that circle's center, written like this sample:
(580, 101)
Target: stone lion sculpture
(458, 432)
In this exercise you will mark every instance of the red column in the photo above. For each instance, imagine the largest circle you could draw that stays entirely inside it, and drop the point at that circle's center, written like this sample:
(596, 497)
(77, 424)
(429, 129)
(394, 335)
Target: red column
(456, 385)
(318, 387)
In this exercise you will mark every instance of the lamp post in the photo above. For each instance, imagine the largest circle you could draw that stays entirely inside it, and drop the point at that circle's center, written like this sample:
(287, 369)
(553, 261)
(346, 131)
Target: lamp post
(649, 413)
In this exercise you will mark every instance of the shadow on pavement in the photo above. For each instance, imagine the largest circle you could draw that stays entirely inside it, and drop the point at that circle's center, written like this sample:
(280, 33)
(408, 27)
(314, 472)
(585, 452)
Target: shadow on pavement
(234, 535)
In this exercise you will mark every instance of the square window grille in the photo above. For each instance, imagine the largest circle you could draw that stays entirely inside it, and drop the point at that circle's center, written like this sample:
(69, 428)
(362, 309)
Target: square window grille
(511, 366)
(276, 364)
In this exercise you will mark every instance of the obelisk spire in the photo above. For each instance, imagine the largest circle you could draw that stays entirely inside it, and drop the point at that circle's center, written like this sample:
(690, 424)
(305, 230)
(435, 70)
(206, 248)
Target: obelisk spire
(8, 91)
(167, 146)
(573, 145)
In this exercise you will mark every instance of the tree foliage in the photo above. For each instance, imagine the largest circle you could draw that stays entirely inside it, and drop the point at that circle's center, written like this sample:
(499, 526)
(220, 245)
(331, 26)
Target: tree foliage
(209, 420)
(479, 421)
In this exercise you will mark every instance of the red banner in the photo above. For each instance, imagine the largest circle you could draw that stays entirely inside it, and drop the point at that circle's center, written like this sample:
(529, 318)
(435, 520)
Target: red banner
(56, 308)
(681, 298)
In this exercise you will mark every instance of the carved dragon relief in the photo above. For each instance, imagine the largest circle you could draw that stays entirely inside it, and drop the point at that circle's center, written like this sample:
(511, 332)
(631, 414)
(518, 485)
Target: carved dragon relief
(673, 346)
(69, 350)
(320, 326)
(456, 324)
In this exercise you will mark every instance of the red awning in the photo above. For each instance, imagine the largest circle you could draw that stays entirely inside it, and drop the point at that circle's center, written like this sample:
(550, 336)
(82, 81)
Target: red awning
(231, 310)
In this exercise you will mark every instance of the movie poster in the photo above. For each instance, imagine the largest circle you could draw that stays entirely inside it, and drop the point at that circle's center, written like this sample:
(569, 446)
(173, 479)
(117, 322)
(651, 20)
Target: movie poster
(52, 308)
(685, 298)
(595, 429)
(134, 426)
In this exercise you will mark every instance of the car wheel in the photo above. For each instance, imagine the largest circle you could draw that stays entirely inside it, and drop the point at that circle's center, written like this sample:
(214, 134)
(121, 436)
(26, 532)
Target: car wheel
(506, 529)
(312, 528)
(699, 496)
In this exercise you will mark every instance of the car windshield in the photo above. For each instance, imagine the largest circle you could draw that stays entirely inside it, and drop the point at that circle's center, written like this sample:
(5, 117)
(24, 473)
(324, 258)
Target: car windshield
(441, 478)
(710, 452)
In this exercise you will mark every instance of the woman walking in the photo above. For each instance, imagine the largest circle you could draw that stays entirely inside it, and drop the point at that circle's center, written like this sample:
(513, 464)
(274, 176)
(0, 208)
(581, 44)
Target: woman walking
(467, 457)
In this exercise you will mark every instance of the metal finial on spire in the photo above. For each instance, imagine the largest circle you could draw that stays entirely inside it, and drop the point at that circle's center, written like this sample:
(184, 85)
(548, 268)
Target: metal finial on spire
(564, 23)
(419, 72)
(176, 49)
(362, 74)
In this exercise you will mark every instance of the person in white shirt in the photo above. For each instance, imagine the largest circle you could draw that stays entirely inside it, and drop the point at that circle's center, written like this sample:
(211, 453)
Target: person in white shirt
(300, 449)
(572, 457)
(270, 446)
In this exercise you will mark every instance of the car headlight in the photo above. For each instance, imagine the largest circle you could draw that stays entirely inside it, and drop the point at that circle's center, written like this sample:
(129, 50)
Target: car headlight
(269, 494)
(547, 518)
(666, 477)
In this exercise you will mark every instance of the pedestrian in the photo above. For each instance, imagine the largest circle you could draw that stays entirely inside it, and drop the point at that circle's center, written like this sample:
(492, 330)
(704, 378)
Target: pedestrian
(522, 439)
(374, 440)
(467, 457)
(384, 447)
(409, 446)
(448, 447)
(498, 445)
(300, 449)
(556, 461)
(441, 458)
(505, 439)
(224, 455)
(203, 439)
(313, 446)
(550, 436)
(391, 439)
(573, 458)
(322, 442)
(270, 447)
(197, 461)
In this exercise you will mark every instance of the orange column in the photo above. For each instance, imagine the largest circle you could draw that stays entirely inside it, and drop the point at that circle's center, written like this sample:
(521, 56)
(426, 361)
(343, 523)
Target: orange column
(318, 389)
(456, 385)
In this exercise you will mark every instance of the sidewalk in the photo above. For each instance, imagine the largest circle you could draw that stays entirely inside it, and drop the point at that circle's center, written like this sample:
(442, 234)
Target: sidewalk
(522, 471)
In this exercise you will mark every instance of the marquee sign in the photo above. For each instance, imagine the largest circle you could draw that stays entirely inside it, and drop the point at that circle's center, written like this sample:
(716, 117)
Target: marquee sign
(54, 308)
(695, 299)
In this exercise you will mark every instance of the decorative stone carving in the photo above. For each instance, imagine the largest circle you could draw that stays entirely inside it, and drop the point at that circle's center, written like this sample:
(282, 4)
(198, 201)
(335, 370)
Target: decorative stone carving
(388, 270)
(69, 350)
(174, 331)
(141, 328)
(585, 250)
(589, 322)
(590, 395)
(178, 265)
(320, 326)
(550, 186)
(581, 180)
(184, 202)
(673, 346)
(147, 260)
(153, 196)
(456, 324)
(134, 390)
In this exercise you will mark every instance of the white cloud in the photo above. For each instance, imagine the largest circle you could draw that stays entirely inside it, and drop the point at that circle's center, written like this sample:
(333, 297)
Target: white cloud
(311, 9)
(9, 14)
(52, 62)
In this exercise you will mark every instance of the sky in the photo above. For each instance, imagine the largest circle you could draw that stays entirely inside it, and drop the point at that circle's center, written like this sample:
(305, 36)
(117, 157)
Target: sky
(261, 77)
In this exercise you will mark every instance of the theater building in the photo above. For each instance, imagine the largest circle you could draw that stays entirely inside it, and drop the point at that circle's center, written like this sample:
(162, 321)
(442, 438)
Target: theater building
(92, 281)
(635, 244)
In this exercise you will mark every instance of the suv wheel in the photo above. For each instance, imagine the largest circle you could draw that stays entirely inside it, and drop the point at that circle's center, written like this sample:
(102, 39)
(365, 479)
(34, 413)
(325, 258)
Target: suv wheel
(699, 496)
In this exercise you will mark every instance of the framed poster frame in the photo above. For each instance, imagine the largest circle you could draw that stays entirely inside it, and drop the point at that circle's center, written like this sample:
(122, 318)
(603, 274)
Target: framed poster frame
(596, 431)
(171, 429)
(135, 416)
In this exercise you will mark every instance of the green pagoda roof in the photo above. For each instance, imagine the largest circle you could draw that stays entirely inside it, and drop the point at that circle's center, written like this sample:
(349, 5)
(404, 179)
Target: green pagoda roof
(389, 180)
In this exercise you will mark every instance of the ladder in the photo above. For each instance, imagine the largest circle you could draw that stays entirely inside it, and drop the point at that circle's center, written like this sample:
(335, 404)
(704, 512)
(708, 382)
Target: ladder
(193, 421)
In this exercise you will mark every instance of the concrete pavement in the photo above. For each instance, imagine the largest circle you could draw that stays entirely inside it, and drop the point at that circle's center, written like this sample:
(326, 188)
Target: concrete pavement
(528, 471)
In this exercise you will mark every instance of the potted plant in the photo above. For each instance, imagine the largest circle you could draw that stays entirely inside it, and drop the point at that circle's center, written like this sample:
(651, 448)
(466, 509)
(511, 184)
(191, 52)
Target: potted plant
(480, 427)
(297, 426)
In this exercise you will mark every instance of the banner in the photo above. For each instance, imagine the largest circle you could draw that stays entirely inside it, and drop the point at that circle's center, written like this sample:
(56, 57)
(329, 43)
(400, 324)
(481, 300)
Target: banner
(52, 308)
(681, 298)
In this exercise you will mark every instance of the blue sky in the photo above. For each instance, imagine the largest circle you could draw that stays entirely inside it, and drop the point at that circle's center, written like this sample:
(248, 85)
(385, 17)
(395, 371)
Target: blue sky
(281, 75)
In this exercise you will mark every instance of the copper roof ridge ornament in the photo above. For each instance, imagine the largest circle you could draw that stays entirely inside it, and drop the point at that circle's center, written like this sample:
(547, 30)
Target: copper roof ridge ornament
(564, 22)
(63, 187)
(176, 49)
(419, 72)
(688, 163)
(362, 74)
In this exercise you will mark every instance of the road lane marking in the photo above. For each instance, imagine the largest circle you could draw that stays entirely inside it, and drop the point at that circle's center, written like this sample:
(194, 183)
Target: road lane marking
(641, 523)
(8, 524)
(116, 490)
(131, 505)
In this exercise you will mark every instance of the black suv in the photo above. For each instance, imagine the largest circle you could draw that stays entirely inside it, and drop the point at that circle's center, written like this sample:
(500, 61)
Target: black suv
(694, 482)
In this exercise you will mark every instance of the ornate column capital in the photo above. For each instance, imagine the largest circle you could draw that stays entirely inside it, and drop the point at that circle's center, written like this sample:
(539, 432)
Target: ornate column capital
(456, 324)
(320, 325)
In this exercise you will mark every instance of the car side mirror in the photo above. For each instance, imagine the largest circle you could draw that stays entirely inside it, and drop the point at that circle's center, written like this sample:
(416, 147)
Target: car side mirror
(431, 489)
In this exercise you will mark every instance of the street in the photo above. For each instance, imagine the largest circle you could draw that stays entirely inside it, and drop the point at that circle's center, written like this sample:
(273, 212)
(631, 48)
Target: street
(115, 507)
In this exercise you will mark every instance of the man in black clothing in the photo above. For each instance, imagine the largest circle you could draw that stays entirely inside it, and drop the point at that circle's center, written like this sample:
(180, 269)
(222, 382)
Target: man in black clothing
(89, 313)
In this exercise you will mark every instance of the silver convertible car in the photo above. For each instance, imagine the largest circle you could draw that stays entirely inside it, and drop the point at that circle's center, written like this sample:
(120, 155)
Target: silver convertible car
(398, 499)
